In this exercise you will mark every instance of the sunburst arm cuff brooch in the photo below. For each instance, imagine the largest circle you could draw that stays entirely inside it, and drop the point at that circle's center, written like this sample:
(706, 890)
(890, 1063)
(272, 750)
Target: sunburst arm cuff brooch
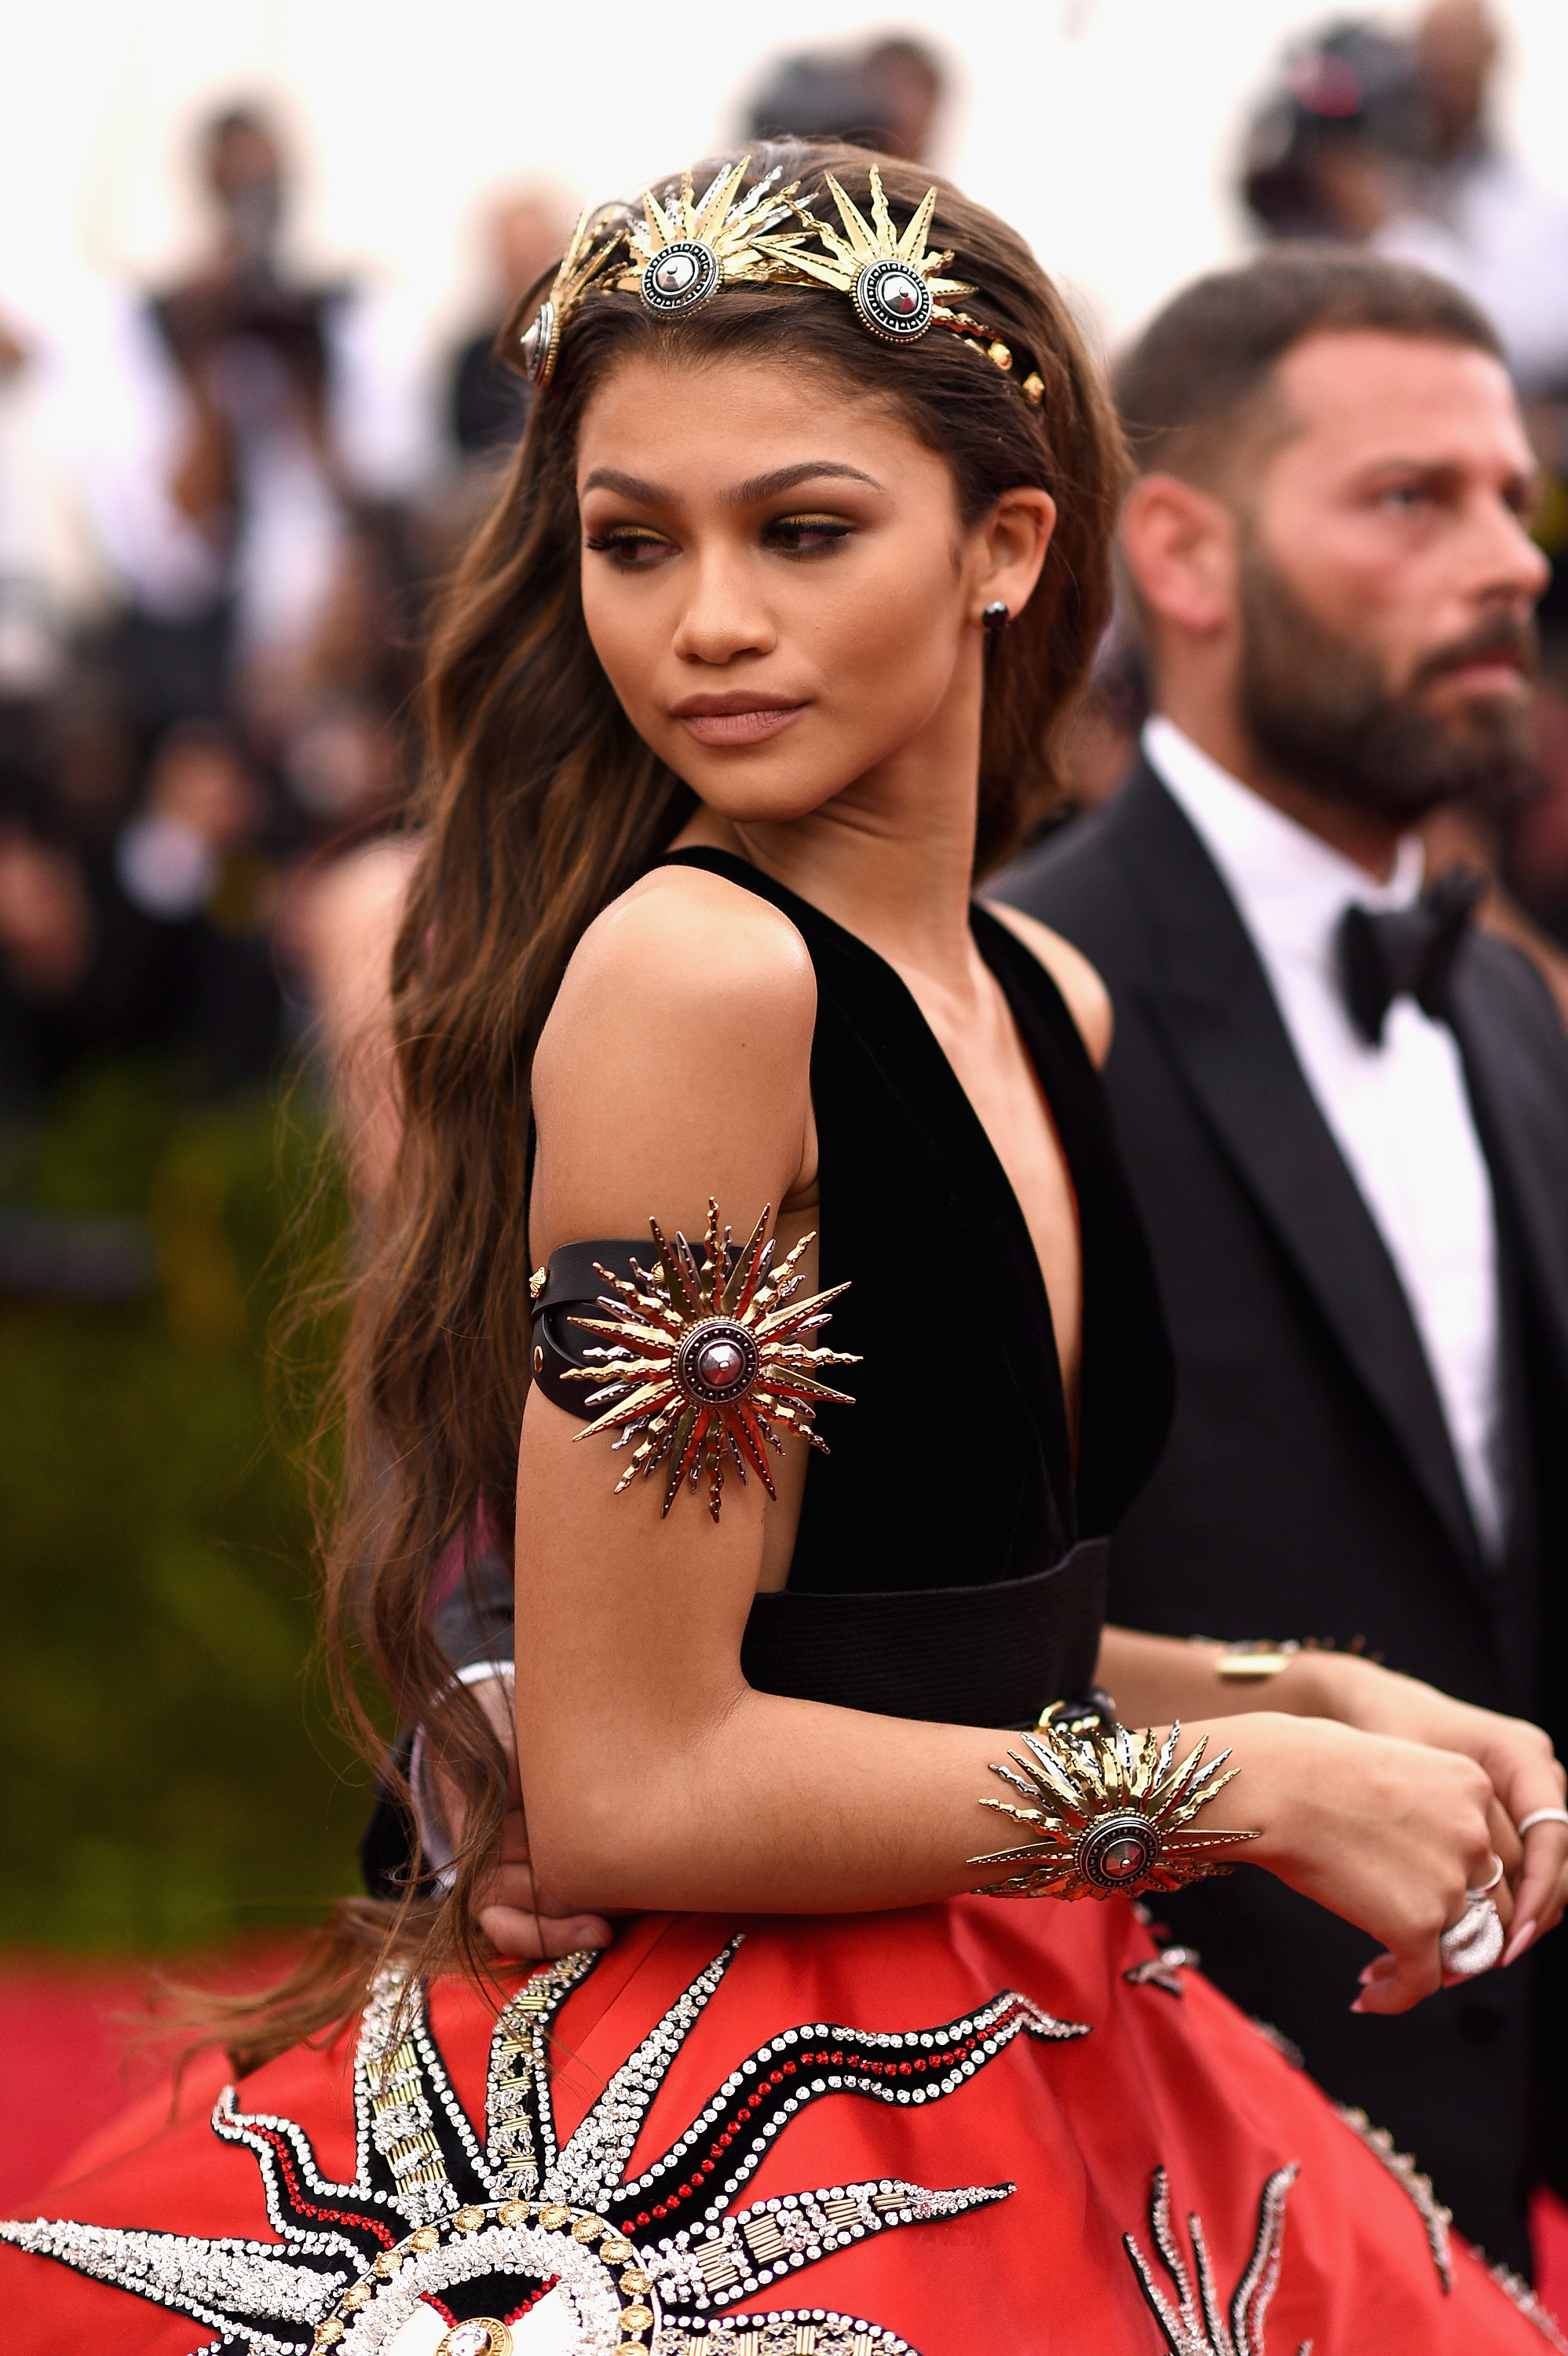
(1107, 1810)
(702, 1364)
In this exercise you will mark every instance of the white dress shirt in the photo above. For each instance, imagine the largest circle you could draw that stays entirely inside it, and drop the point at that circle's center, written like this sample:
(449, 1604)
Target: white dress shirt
(1399, 1111)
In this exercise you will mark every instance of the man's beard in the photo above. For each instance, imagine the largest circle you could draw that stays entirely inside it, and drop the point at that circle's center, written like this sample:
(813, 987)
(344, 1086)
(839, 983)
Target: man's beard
(1319, 709)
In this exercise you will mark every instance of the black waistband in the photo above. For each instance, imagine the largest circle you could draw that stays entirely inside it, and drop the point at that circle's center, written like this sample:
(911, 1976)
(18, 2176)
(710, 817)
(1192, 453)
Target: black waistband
(964, 1656)
(960, 1656)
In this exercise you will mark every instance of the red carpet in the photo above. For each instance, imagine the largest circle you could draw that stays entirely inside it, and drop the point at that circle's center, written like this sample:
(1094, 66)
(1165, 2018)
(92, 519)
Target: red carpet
(67, 2065)
(68, 2057)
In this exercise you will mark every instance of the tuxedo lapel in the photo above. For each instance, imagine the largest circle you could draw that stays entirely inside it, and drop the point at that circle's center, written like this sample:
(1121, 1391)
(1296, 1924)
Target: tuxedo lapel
(1515, 1067)
(1207, 996)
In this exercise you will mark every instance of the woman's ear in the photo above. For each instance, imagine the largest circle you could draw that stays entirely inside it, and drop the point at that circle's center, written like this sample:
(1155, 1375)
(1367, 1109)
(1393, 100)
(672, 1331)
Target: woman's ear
(1013, 541)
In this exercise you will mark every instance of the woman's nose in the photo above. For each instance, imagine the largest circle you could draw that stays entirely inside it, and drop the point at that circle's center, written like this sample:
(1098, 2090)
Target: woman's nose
(724, 615)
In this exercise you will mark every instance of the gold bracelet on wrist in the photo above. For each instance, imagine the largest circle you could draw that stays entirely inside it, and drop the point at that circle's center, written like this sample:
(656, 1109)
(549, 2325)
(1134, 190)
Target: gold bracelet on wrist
(1108, 1811)
(1244, 1663)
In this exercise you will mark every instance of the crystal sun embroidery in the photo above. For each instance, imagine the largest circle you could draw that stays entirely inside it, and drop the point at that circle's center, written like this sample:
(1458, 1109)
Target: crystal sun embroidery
(454, 2241)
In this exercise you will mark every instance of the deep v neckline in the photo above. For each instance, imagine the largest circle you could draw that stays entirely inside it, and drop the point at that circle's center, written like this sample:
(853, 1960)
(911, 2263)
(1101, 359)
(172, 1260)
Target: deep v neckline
(996, 946)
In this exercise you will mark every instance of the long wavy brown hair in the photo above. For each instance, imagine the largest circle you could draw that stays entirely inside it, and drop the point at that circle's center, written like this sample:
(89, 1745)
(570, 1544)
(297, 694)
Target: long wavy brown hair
(540, 806)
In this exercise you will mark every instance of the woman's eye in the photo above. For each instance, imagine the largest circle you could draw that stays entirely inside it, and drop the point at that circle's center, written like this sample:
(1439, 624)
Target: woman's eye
(634, 551)
(805, 535)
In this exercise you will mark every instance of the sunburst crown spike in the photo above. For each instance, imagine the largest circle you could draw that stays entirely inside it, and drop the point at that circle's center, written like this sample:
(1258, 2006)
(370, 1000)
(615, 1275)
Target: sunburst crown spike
(913, 242)
(862, 235)
(706, 218)
(586, 261)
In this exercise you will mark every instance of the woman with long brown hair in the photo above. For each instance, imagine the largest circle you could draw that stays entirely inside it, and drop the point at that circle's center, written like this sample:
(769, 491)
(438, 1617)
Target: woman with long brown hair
(758, 662)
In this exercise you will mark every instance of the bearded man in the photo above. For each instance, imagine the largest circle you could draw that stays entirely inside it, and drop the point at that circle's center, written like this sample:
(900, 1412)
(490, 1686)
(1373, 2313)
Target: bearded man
(1345, 1112)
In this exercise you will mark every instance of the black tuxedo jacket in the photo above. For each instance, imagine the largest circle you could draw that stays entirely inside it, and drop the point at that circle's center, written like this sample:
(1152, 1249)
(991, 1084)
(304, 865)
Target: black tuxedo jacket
(1309, 1486)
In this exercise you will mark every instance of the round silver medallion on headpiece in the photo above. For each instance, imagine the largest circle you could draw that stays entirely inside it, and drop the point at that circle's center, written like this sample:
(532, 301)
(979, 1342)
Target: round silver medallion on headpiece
(540, 343)
(893, 301)
(681, 277)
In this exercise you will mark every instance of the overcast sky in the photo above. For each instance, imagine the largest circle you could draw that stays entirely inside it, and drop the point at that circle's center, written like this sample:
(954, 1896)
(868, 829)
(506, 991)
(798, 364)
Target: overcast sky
(1106, 130)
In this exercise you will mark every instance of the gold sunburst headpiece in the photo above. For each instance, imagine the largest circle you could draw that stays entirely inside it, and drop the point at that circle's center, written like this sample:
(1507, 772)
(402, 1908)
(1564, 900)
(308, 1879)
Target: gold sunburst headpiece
(681, 248)
(704, 1359)
(895, 284)
(893, 281)
(1108, 1810)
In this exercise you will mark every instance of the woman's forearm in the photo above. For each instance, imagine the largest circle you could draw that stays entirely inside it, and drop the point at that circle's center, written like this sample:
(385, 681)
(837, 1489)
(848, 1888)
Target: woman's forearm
(772, 1805)
(753, 1801)
(1153, 1679)
(656, 1778)
(782, 1806)
(790, 1807)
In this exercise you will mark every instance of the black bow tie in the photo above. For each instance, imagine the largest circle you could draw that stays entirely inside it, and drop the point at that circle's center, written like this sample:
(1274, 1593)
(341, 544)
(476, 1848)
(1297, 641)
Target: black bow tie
(1385, 954)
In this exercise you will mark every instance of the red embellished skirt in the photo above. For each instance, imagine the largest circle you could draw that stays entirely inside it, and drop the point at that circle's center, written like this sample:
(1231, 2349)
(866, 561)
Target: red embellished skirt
(972, 2129)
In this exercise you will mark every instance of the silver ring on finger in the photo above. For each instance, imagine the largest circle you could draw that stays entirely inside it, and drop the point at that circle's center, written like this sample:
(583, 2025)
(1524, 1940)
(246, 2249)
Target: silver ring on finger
(1475, 1943)
(1471, 1895)
(1540, 1816)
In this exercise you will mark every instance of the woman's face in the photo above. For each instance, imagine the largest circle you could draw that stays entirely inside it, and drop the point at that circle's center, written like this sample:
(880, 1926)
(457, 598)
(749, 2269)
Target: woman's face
(777, 582)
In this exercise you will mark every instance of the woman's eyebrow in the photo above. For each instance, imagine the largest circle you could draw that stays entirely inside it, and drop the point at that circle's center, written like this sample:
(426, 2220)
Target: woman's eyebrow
(747, 493)
(785, 478)
(629, 487)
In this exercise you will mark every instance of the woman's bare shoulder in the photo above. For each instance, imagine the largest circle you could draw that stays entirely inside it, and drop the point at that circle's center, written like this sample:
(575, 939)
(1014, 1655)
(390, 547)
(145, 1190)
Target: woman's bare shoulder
(1088, 999)
(675, 1062)
(684, 942)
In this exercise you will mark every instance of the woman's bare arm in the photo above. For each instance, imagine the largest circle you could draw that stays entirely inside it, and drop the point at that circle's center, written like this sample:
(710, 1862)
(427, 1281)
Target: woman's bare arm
(676, 1066)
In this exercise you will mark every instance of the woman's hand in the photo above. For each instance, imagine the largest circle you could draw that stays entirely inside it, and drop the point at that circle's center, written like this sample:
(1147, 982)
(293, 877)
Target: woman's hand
(1155, 1678)
(511, 1913)
(1386, 1832)
(509, 1910)
(1517, 1758)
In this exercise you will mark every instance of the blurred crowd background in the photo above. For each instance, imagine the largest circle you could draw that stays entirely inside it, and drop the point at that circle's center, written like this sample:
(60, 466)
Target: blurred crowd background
(237, 456)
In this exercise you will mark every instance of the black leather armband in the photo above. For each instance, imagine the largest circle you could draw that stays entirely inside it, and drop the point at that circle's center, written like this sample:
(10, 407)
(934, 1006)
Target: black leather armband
(573, 1287)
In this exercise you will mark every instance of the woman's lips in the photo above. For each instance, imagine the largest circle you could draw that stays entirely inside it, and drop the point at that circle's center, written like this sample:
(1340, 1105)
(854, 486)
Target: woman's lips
(754, 725)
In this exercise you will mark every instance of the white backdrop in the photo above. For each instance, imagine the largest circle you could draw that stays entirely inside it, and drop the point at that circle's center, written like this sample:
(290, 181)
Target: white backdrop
(1106, 130)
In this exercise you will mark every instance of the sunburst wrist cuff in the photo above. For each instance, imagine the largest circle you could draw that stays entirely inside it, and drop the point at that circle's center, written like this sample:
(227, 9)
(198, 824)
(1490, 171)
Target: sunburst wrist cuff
(1107, 1811)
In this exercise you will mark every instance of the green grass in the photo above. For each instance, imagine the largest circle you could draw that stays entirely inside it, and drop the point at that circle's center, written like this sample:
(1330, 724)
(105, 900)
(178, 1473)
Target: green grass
(169, 1771)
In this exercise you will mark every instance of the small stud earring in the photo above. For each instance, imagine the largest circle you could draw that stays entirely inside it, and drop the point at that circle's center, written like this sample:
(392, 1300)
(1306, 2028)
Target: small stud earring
(995, 619)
